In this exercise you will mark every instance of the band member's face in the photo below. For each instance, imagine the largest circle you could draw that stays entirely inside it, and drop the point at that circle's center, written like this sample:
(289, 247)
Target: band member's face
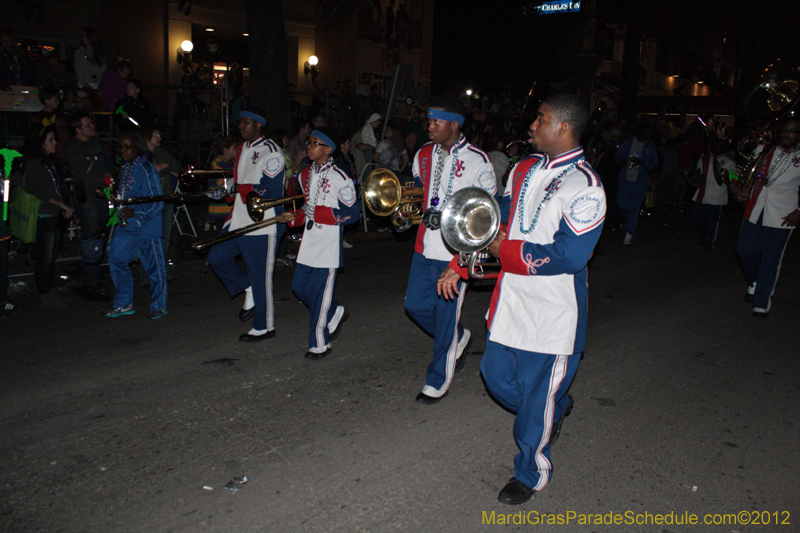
(250, 129)
(544, 131)
(317, 151)
(127, 149)
(442, 131)
(790, 134)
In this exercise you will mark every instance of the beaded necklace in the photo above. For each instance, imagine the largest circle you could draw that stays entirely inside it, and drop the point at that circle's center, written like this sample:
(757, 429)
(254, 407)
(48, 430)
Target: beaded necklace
(126, 179)
(318, 171)
(780, 166)
(550, 190)
(437, 173)
(53, 176)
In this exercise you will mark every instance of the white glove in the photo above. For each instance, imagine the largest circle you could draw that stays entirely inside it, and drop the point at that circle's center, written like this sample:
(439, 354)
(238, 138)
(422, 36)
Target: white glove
(217, 194)
(308, 209)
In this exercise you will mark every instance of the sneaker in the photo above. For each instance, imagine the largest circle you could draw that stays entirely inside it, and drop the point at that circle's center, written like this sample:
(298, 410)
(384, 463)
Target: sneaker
(628, 239)
(7, 309)
(156, 314)
(346, 244)
(751, 291)
(114, 312)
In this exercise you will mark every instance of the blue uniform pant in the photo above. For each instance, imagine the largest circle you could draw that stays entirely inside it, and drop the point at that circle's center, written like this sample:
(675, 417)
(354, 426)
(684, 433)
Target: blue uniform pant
(534, 387)
(258, 255)
(706, 220)
(629, 201)
(122, 250)
(438, 317)
(314, 287)
(757, 241)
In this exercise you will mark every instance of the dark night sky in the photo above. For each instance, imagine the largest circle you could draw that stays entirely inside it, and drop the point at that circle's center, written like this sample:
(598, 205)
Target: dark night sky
(488, 45)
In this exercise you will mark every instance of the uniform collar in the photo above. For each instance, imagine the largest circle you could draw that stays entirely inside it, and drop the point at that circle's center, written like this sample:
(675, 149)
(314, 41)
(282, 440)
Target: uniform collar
(458, 145)
(258, 142)
(563, 160)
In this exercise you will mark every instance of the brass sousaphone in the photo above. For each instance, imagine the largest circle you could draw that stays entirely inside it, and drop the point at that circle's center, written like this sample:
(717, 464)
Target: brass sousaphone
(775, 95)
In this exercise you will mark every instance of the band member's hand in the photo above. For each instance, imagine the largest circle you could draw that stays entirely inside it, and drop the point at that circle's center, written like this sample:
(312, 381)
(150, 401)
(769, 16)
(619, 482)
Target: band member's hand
(792, 219)
(308, 209)
(285, 217)
(127, 212)
(494, 246)
(68, 211)
(447, 285)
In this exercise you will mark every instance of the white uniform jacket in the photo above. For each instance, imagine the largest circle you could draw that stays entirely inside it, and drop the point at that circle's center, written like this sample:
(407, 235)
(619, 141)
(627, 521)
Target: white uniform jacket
(469, 167)
(259, 167)
(540, 301)
(775, 196)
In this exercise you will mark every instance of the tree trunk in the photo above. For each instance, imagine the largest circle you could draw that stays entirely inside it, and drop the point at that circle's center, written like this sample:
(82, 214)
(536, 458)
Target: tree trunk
(266, 48)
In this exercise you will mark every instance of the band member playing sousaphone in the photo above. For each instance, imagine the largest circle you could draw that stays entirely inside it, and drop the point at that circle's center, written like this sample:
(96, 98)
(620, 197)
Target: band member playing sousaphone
(445, 165)
(770, 216)
(554, 208)
(259, 167)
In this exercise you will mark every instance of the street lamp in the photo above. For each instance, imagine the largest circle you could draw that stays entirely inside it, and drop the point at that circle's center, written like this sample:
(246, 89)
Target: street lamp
(310, 67)
(185, 53)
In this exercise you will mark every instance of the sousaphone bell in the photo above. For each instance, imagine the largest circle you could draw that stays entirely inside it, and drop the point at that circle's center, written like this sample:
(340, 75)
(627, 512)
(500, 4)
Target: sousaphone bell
(470, 222)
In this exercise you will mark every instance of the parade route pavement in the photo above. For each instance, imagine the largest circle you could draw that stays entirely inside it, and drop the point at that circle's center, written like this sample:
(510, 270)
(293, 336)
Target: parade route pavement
(685, 405)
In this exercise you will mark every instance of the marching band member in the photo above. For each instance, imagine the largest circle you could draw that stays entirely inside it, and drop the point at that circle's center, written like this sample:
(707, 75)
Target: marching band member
(554, 207)
(259, 167)
(139, 231)
(330, 198)
(771, 215)
(445, 165)
(711, 193)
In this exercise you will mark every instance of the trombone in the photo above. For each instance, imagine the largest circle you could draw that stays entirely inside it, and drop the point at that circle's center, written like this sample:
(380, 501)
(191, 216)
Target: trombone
(256, 207)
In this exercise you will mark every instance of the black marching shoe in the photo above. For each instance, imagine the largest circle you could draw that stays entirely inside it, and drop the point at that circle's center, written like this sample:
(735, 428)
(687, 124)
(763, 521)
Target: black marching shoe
(335, 333)
(247, 314)
(246, 337)
(429, 400)
(556, 431)
(515, 492)
(319, 355)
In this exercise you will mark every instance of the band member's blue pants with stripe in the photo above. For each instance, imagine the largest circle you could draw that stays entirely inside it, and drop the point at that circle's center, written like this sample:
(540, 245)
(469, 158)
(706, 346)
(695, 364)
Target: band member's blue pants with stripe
(439, 318)
(315, 287)
(258, 255)
(534, 387)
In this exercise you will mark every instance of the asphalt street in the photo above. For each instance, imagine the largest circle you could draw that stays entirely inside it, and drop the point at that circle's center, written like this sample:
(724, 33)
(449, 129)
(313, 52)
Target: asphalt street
(685, 405)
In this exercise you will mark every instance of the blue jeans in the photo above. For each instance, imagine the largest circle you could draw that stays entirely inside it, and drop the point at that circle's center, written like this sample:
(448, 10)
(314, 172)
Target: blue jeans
(46, 250)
